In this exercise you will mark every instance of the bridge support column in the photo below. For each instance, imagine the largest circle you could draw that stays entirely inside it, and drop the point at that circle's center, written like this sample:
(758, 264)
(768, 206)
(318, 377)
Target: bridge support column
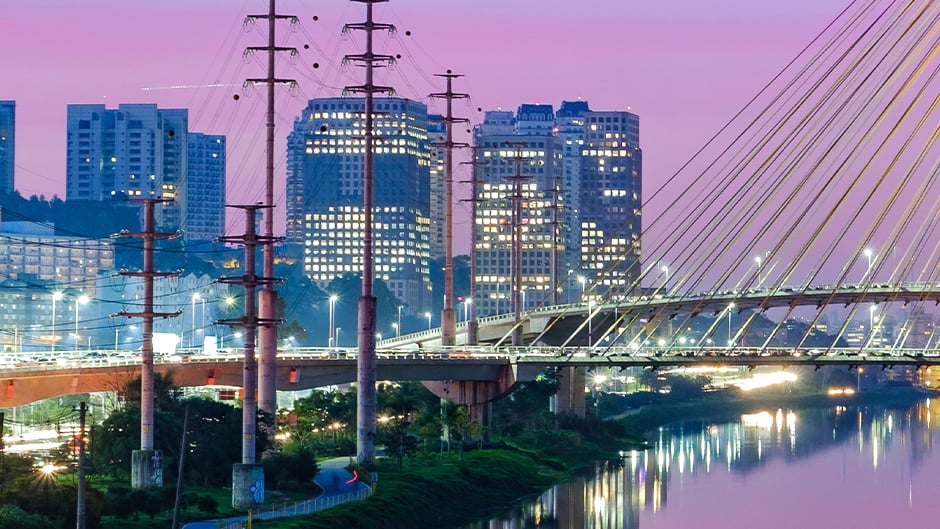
(146, 469)
(247, 486)
(570, 397)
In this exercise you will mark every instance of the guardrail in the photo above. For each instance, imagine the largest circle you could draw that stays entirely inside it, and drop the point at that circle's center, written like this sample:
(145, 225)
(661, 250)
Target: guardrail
(317, 504)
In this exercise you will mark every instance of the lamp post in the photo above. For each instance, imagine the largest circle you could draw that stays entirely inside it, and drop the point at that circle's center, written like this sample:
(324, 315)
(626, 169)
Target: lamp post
(730, 306)
(428, 316)
(336, 338)
(869, 253)
(466, 304)
(56, 296)
(398, 327)
(192, 335)
(871, 324)
(665, 270)
(583, 281)
(80, 299)
(331, 340)
(759, 280)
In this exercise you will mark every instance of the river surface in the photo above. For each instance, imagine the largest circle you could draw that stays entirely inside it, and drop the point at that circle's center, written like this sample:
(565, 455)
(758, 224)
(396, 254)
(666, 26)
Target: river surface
(840, 467)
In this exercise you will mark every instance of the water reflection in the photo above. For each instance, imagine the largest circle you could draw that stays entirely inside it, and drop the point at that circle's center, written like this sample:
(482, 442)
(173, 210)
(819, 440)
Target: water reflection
(834, 467)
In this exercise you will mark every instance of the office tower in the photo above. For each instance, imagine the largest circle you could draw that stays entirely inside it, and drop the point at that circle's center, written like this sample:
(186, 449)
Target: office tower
(325, 178)
(609, 197)
(136, 151)
(436, 133)
(204, 206)
(521, 160)
(7, 144)
(581, 178)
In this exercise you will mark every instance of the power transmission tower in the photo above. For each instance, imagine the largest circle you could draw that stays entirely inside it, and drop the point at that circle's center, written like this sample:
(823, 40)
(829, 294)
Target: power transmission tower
(267, 339)
(448, 318)
(366, 362)
(248, 476)
(145, 470)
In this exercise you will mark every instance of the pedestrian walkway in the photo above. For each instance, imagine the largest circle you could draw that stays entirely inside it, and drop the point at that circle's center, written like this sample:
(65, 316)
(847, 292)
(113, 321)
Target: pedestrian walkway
(338, 484)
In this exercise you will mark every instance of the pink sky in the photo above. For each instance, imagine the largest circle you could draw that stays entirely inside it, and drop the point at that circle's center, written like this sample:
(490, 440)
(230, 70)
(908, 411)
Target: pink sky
(684, 66)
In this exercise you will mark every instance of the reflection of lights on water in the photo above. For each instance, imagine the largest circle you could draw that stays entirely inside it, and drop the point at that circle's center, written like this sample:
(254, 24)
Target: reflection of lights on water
(761, 380)
(761, 420)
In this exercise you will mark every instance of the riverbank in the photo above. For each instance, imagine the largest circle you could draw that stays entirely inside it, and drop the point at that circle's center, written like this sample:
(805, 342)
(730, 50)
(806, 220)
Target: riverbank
(435, 492)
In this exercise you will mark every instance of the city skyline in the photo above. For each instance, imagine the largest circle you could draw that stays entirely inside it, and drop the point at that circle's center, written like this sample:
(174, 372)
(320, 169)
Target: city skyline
(684, 68)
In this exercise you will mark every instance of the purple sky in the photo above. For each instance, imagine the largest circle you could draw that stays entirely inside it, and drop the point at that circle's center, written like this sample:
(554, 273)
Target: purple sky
(684, 66)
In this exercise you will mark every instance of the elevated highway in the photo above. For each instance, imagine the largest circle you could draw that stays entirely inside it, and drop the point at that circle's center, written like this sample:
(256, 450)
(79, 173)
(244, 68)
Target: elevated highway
(451, 368)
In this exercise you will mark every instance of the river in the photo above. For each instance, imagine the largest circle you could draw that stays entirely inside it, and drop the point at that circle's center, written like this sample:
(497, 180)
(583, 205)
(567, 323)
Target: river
(839, 467)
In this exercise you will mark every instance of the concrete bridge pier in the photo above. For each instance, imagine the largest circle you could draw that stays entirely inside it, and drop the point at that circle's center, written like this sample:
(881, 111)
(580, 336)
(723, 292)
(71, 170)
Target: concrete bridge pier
(570, 396)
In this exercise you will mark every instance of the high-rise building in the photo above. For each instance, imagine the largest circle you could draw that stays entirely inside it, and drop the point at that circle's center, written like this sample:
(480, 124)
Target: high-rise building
(325, 186)
(579, 175)
(204, 207)
(138, 151)
(520, 165)
(609, 199)
(436, 133)
(7, 144)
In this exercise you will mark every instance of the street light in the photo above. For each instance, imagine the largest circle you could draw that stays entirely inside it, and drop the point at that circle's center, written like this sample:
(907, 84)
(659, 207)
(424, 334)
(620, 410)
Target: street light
(466, 303)
(397, 329)
(583, 281)
(80, 299)
(336, 338)
(759, 281)
(192, 336)
(869, 253)
(730, 306)
(331, 340)
(428, 316)
(665, 269)
(499, 284)
(871, 323)
(56, 296)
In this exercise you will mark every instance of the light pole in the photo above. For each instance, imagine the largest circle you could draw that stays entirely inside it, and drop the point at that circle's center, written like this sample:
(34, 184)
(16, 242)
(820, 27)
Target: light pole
(56, 296)
(583, 281)
(398, 327)
(730, 306)
(80, 299)
(665, 270)
(759, 280)
(336, 338)
(871, 324)
(428, 316)
(466, 304)
(192, 335)
(332, 338)
(869, 253)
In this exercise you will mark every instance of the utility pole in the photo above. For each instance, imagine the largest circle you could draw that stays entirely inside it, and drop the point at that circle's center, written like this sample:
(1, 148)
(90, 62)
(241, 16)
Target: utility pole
(267, 299)
(145, 463)
(448, 318)
(248, 476)
(472, 324)
(80, 493)
(366, 362)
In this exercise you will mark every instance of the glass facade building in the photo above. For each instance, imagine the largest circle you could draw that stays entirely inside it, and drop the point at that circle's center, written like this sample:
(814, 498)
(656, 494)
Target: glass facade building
(325, 179)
